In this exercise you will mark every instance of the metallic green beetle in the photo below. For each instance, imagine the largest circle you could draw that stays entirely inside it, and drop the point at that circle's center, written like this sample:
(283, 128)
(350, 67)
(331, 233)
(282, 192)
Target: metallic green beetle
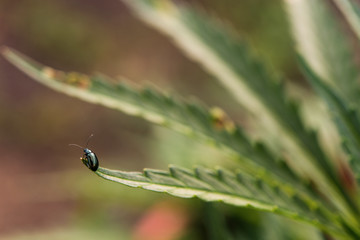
(89, 158)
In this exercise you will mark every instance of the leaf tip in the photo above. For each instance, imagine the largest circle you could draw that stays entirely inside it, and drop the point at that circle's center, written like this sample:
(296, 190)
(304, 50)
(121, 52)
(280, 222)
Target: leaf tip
(5, 51)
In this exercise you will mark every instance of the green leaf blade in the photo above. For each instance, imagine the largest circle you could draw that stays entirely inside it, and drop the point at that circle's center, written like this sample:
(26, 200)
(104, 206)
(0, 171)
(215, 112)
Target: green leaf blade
(351, 11)
(347, 120)
(189, 118)
(324, 46)
(208, 185)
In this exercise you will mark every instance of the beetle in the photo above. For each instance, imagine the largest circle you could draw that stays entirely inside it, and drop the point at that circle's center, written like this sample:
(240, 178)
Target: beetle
(89, 158)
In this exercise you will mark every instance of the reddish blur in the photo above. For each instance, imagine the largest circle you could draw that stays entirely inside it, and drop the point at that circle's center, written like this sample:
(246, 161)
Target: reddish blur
(163, 221)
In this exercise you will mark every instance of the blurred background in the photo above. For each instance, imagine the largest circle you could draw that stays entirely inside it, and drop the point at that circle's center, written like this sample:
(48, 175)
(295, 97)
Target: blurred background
(46, 192)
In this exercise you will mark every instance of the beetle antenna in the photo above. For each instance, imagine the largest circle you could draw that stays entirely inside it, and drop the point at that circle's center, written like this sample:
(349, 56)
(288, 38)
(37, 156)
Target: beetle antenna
(72, 144)
(87, 141)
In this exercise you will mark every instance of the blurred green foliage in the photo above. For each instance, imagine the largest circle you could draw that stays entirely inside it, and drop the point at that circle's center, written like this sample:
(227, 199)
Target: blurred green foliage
(36, 126)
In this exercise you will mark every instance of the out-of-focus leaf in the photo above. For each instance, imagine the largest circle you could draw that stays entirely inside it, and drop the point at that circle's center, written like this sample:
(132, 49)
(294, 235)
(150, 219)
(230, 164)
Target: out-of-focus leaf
(351, 11)
(346, 119)
(220, 52)
(324, 46)
(189, 118)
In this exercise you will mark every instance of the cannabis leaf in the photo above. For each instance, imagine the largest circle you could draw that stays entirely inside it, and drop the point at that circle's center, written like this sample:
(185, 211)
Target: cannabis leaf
(217, 48)
(208, 125)
(190, 118)
(237, 189)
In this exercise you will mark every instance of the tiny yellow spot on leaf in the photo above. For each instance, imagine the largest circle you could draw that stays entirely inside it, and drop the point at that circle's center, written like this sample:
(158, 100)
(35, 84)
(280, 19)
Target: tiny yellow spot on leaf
(77, 79)
(221, 120)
